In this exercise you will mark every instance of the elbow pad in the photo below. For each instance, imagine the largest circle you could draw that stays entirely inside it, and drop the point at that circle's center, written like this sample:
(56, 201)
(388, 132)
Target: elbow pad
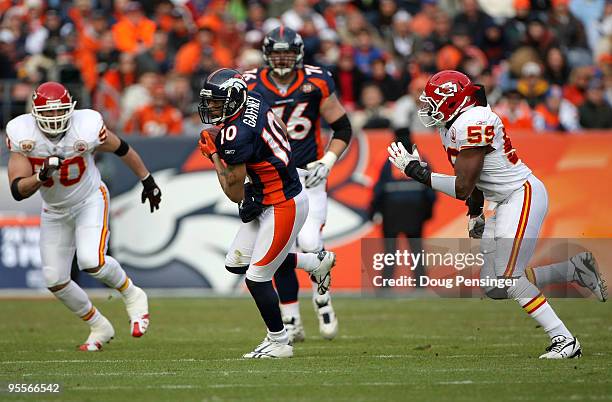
(342, 129)
(123, 148)
(15, 189)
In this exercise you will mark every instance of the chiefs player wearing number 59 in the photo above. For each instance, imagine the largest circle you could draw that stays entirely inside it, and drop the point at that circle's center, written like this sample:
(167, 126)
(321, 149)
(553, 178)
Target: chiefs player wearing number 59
(52, 150)
(487, 167)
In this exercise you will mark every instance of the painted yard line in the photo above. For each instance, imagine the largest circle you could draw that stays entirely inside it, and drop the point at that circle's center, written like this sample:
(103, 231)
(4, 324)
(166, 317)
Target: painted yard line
(129, 373)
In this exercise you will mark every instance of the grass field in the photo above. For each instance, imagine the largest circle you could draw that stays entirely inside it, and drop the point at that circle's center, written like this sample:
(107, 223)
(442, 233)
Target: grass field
(442, 350)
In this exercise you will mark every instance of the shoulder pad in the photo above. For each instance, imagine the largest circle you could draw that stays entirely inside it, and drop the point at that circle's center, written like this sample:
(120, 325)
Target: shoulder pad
(21, 134)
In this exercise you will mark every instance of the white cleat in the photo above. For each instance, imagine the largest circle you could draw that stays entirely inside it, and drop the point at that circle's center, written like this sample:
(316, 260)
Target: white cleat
(295, 329)
(101, 332)
(321, 275)
(328, 323)
(587, 275)
(137, 306)
(563, 348)
(270, 349)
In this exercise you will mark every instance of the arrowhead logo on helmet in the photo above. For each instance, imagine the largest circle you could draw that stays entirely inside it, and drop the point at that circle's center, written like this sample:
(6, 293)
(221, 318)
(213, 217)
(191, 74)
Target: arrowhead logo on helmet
(446, 94)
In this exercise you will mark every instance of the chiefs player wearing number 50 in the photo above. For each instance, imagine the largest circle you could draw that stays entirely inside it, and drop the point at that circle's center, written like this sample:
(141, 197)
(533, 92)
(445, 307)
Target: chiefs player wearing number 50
(250, 140)
(52, 151)
(487, 167)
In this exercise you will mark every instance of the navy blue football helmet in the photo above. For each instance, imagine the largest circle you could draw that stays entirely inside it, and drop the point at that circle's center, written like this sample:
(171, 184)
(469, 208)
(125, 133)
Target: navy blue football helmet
(222, 96)
(283, 50)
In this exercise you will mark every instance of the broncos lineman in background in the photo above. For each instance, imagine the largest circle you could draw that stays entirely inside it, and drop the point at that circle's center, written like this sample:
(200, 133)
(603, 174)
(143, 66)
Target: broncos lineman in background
(251, 141)
(487, 167)
(300, 96)
(52, 151)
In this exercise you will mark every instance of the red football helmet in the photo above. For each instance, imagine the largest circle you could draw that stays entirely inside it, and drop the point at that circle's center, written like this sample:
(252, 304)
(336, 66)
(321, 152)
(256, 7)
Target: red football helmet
(446, 94)
(52, 107)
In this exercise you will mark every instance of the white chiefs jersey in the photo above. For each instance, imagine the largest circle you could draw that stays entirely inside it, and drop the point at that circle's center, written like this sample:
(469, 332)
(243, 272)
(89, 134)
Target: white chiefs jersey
(502, 172)
(78, 176)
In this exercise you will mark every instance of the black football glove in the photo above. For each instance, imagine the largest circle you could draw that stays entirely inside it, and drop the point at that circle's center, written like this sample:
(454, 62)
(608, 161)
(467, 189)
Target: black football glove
(151, 192)
(249, 209)
(476, 224)
(50, 165)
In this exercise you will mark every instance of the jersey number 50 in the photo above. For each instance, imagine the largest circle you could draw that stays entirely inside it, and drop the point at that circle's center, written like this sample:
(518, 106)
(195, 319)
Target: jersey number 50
(70, 172)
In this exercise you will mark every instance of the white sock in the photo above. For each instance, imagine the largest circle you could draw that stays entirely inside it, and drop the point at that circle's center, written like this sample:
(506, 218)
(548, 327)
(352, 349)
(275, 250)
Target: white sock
(539, 309)
(113, 276)
(280, 336)
(290, 309)
(78, 302)
(561, 272)
(307, 261)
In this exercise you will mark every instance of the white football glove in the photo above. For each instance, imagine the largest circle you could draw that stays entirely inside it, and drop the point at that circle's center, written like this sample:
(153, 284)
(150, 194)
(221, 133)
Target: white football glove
(476, 226)
(319, 169)
(400, 157)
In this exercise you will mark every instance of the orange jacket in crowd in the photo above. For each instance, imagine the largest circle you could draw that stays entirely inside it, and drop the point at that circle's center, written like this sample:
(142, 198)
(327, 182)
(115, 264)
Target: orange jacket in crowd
(107, 97)
(152, 121)
(519, 118)
(551, 120)
(188, 57)
(128, 36)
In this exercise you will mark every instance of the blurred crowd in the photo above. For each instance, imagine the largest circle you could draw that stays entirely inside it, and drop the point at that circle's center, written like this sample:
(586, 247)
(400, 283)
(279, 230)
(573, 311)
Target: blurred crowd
(546, 64)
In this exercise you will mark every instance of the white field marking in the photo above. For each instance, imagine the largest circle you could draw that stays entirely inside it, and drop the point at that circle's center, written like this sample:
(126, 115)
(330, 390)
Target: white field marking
(160, 373)
(346, 384)
(441, 355)
(125, 387)
(455, 382)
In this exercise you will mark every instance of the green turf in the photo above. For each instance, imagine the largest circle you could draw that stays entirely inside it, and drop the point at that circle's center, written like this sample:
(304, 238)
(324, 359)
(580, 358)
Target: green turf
(442, 350)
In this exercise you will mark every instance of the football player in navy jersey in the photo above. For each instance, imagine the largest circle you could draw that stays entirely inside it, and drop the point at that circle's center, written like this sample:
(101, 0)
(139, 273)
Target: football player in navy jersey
(300, 95)
(251, 141)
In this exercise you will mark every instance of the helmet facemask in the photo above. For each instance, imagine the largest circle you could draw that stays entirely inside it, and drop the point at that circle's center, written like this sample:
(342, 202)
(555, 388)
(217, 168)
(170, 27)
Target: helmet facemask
(430, 113)
(283, 62)
(217, 109)
(50, 119)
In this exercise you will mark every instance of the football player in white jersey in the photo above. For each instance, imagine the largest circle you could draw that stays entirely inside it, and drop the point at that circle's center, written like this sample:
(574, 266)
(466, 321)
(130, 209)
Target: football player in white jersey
(52, 151)
(487, 167)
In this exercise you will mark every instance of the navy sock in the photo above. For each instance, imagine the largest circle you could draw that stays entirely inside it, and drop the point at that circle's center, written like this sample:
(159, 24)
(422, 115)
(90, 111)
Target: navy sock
(266, 300)
(286, 280)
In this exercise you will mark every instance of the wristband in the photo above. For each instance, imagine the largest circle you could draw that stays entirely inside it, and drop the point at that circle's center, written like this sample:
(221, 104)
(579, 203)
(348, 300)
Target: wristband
(15, 189)
(329, 159)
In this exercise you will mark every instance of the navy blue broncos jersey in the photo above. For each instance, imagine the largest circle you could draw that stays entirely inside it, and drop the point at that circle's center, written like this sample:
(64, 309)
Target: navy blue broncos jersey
(299, 107)
(255, 138)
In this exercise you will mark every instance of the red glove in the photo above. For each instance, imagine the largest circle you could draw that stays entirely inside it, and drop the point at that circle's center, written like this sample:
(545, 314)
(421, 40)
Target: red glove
(207, 145)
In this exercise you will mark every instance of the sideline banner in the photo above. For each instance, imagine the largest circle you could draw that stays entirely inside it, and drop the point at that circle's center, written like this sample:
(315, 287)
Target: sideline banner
(184, 243)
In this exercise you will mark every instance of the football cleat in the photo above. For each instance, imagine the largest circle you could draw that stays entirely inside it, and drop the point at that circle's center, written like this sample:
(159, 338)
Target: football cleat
(270, 349)
(328, 323)
(295, 329)
(587, 275)
(137, 306)
(101, 332)
(321, 275)
(563, 348)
